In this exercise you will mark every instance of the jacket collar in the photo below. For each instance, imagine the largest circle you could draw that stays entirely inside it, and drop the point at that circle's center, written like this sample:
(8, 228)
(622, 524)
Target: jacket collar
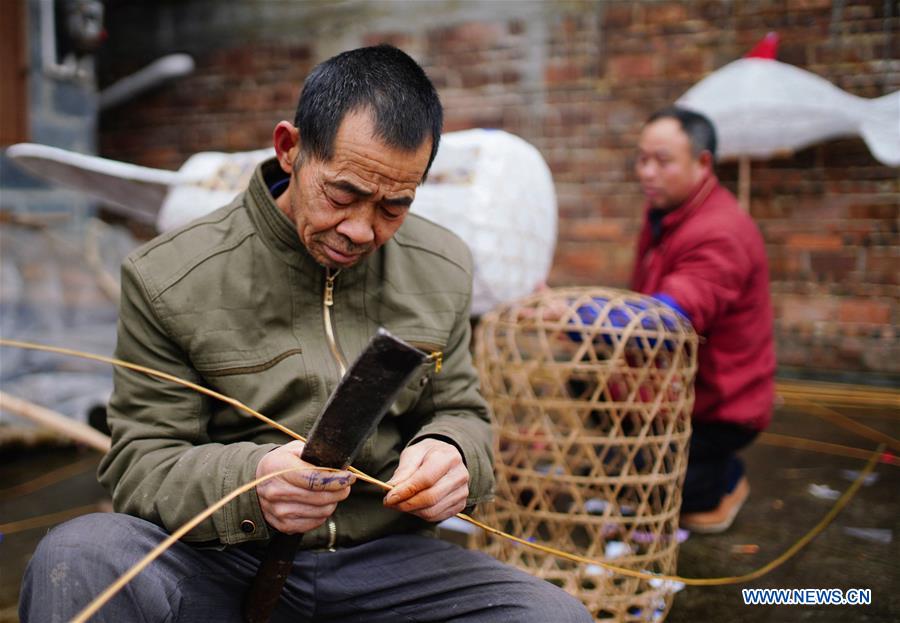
(664, 220)
(277, 230)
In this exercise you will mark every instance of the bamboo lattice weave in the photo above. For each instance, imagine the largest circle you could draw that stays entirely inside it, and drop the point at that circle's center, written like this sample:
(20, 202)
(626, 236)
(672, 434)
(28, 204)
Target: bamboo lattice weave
(592, 391)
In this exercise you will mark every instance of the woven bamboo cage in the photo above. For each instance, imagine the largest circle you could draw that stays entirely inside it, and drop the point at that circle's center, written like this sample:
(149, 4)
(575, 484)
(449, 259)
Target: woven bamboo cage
(592, 391)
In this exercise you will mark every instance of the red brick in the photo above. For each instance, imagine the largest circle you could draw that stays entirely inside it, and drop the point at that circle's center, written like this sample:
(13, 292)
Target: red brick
(580, 263)
(633, 66)
(591, 263)
(468, 36)
(787, 264)
(618, 15)
(396, 39)
(883, 265)
(668, 13)
(473, 78)
(887, 211)
(814, 242)
(806, 5)
(561, 72)
(830, 266)
(804, 310)
(712, 10)
(592, 229)
(510, 76)
(685, 63)
(865, 311)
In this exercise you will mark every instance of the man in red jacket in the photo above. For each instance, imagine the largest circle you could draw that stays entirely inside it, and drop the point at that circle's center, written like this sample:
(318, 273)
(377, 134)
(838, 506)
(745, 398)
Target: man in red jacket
(701, 254)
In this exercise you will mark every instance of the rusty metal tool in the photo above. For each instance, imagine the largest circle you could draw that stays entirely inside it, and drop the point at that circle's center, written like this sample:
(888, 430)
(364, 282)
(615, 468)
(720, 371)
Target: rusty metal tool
(350, 416)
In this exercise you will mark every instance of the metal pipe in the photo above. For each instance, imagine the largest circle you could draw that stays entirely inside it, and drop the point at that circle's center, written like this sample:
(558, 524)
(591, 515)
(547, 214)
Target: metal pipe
(157, 72)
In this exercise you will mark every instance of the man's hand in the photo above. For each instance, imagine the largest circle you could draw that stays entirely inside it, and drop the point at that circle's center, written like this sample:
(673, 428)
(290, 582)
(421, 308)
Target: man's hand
(301, 500)
(431, 481)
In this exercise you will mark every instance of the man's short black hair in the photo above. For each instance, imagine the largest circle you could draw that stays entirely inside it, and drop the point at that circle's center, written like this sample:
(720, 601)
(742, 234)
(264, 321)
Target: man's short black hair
(382, 79)
(699, 129)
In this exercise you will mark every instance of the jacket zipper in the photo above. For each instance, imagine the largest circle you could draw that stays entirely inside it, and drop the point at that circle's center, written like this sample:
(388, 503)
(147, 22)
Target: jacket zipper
(435, 354)
(327, 304)
(332, 535)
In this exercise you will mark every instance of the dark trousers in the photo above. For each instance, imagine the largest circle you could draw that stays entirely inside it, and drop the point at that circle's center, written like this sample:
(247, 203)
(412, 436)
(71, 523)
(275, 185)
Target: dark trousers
(713, 467)
(393, 579)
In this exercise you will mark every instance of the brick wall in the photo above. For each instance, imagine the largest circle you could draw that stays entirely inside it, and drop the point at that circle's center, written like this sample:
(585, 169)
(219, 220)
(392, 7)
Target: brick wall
(576, 79)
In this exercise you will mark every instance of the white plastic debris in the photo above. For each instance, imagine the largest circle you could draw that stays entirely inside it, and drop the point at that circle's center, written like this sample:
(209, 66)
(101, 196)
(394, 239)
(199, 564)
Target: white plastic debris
(823, 492)
(875, 535)
(455, 524)
(616, 549)
(596, 570)
(853, 474)
(595, 506)
(667, 586)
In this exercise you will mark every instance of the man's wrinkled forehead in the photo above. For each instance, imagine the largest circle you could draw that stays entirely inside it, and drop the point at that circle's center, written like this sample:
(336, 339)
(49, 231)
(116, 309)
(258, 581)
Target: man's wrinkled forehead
(358, 139)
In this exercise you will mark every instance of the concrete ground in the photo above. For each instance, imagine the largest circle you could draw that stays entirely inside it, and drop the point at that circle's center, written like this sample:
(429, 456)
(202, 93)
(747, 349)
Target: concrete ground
(781, 509)
(858, 550)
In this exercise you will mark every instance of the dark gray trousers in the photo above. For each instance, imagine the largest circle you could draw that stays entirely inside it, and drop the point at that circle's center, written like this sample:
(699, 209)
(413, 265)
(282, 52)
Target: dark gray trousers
(394, 579)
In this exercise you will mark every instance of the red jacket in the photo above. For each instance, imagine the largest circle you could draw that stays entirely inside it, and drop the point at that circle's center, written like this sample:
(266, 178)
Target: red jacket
(710, 258)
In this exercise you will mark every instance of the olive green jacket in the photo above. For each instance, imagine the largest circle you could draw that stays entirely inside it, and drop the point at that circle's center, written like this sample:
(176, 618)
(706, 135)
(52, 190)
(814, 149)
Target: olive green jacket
(234, 302)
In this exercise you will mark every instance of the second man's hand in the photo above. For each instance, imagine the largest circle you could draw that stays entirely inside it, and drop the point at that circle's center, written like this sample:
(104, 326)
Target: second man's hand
(431, 481)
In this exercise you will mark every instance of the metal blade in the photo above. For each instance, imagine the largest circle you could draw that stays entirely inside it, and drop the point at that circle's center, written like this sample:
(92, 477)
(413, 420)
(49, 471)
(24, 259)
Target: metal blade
(360, 400)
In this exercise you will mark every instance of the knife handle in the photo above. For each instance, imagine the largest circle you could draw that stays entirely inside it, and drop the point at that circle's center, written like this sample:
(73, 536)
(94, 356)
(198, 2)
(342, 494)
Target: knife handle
(276, 566)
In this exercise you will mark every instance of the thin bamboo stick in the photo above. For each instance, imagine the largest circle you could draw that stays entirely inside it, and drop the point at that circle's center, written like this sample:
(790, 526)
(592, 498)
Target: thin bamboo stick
(76, 431)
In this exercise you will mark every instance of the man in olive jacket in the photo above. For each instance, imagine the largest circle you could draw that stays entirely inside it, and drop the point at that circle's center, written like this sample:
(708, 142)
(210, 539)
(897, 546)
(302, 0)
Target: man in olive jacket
(267, 300)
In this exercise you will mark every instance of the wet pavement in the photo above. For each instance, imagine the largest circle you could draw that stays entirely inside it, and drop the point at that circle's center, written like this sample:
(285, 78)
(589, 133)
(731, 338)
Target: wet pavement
(860, 549)
(781, 509)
